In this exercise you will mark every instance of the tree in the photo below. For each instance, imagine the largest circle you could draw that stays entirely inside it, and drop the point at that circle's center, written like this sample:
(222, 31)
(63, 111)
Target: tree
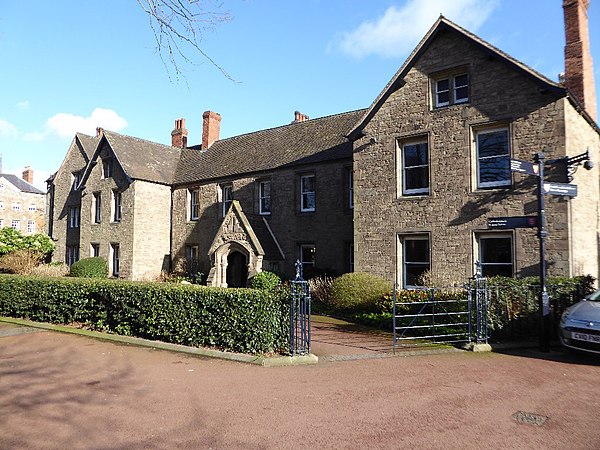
(179, 25)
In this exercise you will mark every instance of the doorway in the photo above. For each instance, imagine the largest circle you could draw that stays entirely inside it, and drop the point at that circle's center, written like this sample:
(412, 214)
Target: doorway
(237, 269)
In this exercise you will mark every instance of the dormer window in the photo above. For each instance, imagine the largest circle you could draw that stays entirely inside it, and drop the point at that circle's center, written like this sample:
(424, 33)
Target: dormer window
(451, 89)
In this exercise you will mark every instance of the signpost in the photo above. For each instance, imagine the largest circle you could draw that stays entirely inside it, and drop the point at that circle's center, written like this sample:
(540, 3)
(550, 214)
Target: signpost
(569, 190)
(504, 223)
(516, 165)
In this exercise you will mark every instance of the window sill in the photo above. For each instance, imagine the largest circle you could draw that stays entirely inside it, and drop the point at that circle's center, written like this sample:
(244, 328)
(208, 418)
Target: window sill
(452, 105)
(404, 198)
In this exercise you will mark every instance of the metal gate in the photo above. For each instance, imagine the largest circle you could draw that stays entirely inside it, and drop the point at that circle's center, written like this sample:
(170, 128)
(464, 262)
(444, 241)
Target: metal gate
(299, 314)
(451, 315)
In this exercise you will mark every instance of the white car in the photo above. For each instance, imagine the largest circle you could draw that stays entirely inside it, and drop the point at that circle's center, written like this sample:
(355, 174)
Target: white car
(580, 325)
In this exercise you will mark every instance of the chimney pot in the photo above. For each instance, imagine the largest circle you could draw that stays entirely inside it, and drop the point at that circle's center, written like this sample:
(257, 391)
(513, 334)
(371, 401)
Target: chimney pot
(28, 174)
(211, 127)
(99, 131)
(179, 135)
(299, 117)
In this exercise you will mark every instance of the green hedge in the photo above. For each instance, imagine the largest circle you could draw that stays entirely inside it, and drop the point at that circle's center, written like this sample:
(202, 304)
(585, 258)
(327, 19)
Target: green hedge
(94, 267)
(241, 320)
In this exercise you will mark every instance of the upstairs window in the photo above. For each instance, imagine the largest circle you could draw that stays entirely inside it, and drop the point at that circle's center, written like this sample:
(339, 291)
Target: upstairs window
(107, 168)
(451, 89)
(74, 216)
(264, 197)
(194, 205)
(32, 207)
(307, 193)
(16, 207)
(75, 179)
(493, 158)
(116, 206)
(97, 206)
(226, 198)
(415, 168)
(350, 187)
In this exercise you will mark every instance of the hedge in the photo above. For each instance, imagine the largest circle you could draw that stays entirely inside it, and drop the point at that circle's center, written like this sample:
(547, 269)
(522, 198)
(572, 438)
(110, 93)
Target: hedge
(240, 320)
(94, 267)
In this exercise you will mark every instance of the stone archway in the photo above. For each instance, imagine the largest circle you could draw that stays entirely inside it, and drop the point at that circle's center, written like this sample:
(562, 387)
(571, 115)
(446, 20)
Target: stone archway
(237, 269)
(233, 263)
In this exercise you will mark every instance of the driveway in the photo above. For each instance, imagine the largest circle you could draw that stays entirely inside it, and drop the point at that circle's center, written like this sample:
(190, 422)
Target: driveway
(65, 391)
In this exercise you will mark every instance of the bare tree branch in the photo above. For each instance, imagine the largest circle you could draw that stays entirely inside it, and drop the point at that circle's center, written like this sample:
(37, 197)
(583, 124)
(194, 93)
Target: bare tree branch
(180, 23)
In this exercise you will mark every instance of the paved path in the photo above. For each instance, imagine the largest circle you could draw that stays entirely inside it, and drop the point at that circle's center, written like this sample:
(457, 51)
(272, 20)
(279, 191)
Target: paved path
(63, 391)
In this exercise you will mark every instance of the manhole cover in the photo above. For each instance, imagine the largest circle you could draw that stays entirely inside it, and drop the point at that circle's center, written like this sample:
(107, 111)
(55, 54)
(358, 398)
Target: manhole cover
(529, 418)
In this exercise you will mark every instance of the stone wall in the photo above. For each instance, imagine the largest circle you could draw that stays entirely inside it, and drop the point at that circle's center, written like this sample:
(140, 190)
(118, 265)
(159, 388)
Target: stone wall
(9, 195)
(455, 210)
(584, 209)
(329, 228)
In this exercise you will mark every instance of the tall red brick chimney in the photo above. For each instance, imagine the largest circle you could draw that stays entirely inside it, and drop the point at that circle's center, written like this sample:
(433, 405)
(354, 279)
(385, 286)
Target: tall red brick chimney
(579, 70)
(211, 127)
(299, 117)
(179, 135)
(28, 175)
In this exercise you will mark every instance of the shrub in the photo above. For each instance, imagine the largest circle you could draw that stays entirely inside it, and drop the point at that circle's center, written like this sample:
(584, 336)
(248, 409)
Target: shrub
(321, 289)
(51, 270)
(21, 262)
(358, 291)
(241, 320)
(95, 267)
(265, 280)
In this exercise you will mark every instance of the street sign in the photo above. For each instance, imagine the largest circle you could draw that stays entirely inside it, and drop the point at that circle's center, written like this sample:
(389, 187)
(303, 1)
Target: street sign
(504, 223)
(516, 165)
(570, 190)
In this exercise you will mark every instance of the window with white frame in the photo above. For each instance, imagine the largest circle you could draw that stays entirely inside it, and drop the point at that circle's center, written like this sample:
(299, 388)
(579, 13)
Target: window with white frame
(97, 204)
(1, 206)
(264, 197)
(307, 193)
(94, 249)
(115, 250)
(117, 196)
(1, 223)
(194, 204)
(31, 226)
(15, 224)
(350, 187)
(493, 157)
(414, 161)
(307, 257)
(495, 254)
(226, 198)
(451, 89)
(72, 255)
(415, 258)
(16, 206)
(74, 216)
(32, 207)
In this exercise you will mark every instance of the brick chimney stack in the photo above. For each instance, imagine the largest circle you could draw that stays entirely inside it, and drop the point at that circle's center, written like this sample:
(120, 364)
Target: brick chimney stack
(179, 135)
(211, 127)
(99, 131)
(28, 175)
(579, 70)
(299, 117)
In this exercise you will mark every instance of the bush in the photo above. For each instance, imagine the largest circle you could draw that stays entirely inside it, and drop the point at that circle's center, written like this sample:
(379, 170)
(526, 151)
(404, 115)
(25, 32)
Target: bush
(12, 240)
(241, 320)
(95, 267)
(358, 291)
(20, 262)
(265, 280)
(321, 289)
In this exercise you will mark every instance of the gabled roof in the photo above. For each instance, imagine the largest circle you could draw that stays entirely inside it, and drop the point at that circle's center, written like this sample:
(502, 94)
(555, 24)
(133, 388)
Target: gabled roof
(144, 160)
(20, 184)
(312, 141)
(443, 24)
(140, 159)
(87, 148)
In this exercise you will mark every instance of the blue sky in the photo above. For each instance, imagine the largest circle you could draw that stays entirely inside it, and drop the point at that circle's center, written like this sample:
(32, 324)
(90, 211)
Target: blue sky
(72, 65)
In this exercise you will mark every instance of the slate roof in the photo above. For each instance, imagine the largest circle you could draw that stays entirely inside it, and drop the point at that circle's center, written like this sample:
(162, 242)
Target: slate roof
(312, 141)
(21, 184)
(89, 144)
(265, 237)
(144, 160)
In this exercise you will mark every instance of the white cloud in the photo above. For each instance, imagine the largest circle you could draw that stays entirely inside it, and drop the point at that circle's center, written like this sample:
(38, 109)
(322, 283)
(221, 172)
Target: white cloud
(399, 29)
(24, 105)
(7, 129)
(65, 125)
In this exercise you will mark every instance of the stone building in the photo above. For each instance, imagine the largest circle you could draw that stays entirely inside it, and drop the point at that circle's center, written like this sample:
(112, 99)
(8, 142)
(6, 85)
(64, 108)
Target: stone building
(441, 136)
(399, 189)
(22, 205)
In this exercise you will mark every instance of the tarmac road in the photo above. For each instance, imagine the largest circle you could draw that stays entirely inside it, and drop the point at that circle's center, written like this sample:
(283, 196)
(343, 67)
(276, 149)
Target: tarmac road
(63, 391)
